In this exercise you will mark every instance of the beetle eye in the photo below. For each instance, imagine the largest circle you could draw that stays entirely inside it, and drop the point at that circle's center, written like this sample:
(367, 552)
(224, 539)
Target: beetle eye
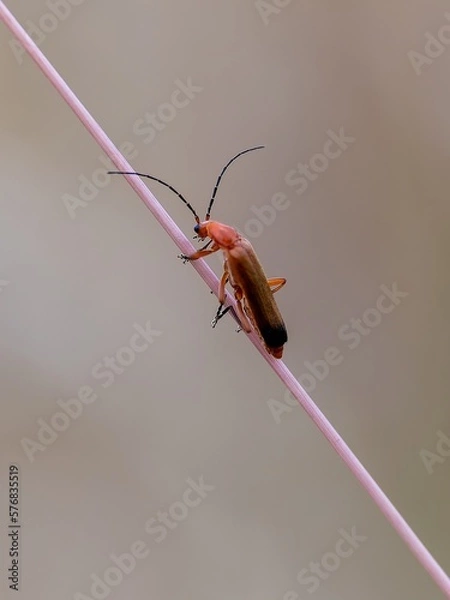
(197, 228)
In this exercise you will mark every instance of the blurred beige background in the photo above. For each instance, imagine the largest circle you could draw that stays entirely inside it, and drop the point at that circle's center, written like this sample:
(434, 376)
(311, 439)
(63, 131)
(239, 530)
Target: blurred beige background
(84, 271)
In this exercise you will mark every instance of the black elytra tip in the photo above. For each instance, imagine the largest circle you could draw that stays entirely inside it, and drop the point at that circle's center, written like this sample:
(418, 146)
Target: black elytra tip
(274, 337)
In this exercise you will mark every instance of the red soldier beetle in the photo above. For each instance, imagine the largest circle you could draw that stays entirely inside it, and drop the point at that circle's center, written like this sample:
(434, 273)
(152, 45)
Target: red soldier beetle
(253, 292)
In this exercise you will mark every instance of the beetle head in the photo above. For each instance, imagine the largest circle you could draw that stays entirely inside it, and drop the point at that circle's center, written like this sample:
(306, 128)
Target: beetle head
(201, 229)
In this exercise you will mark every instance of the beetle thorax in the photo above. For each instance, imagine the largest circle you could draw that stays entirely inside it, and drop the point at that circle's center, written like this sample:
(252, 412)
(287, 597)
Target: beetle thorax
(223, 235)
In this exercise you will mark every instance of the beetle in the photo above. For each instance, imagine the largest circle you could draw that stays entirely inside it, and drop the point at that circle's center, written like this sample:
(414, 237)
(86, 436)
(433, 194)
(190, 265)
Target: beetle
(253, 291)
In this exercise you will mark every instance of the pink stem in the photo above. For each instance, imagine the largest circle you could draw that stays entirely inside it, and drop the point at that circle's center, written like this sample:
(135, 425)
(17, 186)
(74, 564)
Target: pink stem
(366, 480)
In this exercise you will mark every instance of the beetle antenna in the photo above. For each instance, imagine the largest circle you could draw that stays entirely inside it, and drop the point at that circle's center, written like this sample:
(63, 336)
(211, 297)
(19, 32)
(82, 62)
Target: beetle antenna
(208, 213)
(163, 183)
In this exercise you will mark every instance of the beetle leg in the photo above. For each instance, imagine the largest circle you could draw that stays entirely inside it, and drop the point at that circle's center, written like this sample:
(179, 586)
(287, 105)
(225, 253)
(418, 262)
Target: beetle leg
(200, 253)
(240, 300)
(219, 314)
(206, 245)
(276, 283)
(223, 281)
(245, 323)
(241, 308)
